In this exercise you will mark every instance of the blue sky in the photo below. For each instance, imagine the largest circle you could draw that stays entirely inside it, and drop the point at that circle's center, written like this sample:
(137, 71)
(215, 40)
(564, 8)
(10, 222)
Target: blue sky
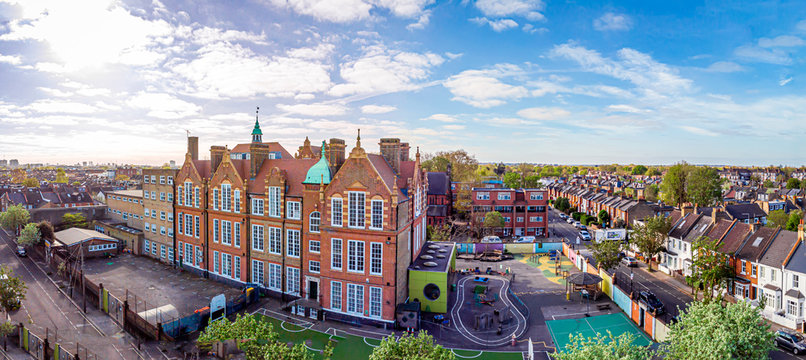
(508, 80)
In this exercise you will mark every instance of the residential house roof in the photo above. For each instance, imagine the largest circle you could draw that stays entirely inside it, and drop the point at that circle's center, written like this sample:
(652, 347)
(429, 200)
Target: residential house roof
(755, 244)
(745, 211)
(273, 147)
(735, 237)
(438, 183)
(699, 228)
(779, 249)
(682, 227)
(719, 229)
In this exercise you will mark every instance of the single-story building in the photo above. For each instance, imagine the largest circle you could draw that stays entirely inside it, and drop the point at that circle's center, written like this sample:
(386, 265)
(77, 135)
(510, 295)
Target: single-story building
(90, 242)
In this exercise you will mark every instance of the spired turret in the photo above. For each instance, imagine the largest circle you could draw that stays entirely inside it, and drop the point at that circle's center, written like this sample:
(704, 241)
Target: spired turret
(319, 173)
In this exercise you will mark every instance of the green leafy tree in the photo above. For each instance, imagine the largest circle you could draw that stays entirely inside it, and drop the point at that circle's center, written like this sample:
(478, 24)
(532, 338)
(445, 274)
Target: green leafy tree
(650, 237)
(441, 233)
(605, 252)
(639, 170)
(70, 220)
(793, 183)
(673, 185)
(707, 331)
(436, 164)
(512, 180)
(14, 218)
(256, 337)
(603, 347)
(12, 289)
(61, 176)
(463, 165)
(411, 347)
(704, 186)
(531, 181)
(562, 204)
(604, 217)
(777, 218)
(46, 230)
(493, 220)
(651, 192)
(30, 235)
(30, 182)
(709, 266)
(794, 219)
(768, 183)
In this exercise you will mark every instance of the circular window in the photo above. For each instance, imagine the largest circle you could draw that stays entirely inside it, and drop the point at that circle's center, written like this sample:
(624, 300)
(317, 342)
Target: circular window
(431, 292)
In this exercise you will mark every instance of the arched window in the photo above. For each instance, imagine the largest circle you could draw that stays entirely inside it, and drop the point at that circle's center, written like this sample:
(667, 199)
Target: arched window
(313, 223)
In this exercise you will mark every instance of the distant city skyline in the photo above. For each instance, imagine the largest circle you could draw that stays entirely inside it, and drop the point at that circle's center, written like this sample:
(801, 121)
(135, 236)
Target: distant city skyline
(506, 80)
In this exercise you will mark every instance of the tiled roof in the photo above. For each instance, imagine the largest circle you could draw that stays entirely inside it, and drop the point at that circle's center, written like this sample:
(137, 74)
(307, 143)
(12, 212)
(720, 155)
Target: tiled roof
(295, 170)
(719, 229)
(682, 227)
(776, 253)
(700, 228)
(273, 147)
(735, 238)
(438, 183)
(756, 243)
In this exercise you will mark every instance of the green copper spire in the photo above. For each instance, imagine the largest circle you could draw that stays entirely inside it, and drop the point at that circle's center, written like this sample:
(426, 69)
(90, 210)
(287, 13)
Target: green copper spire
(319, 172)
(257, 135)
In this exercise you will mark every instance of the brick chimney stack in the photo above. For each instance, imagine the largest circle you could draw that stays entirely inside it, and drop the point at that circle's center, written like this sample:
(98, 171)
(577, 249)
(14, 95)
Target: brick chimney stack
(800, 231)
(216, 156)
(193, 147)
(335, 154)
(390, 150)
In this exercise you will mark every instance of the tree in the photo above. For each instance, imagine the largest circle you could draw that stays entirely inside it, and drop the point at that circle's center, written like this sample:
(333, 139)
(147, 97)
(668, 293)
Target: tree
(417, 347)
(793, 183)
(604, 217)
(46, 230)
(70, 220)
(14, 217)
(603, 347)
(639, 170)
(463, 165)
(500, 169)
(650, 237)
(673, 186)
(256, 337)
(709, 266)
(531, 181)
(704, 186)
(562, 204)
(794, 219)
(777, 218)
(12, 289)
(512, 180)
(30, 235)
(493, 220)
(61, 176)
(30, 182)
(605, 252)
(651, 192)
(436, 164)
(709, 330)
(442, 233)
(768, 183)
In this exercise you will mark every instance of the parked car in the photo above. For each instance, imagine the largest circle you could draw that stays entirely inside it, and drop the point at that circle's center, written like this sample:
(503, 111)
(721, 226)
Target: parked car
(570, 220)
(21, 251)
(652, 303)
(491, 240)
(585, 235)
(582, 227)
(791, 341)
(563, 216)
(577, 224)
(525, 239)
(629, 261)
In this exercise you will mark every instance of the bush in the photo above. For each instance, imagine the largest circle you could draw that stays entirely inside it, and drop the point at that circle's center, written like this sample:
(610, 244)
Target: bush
(577, 215)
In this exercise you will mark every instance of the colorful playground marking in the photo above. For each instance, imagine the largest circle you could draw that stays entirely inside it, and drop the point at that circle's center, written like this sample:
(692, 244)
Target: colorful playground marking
(547, 266)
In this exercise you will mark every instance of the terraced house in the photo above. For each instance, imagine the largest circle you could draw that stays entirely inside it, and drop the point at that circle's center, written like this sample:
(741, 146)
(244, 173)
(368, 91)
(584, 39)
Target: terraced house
(331, 236)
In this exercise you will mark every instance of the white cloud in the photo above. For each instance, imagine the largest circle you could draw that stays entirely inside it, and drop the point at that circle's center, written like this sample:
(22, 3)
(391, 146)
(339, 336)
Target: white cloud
(453, 127)
(781, 41)
(163, 106)
(319, 109)
(801, 26)
(772, 55)
(531, 29)
(483, 89)
(207, 35)
(724, 67)
(443, 118)
(699, 131)
(10, 59)
(60, 107)
(421, 23)
(626, 109)
(382, 70)
(612, 22)
(346, 11)
(318, 52)
(453, 56)
(785, 81)
(377, 109)
(223, 70)
(529, 9)
(544, 113)
(497, 25)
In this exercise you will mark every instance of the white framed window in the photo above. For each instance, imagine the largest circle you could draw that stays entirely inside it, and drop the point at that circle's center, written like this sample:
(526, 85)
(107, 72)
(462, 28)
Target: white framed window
(257, 272)
(188, 193)
(170, 232)
(292, 243)
(153, 195)
(153, 179)
(237, 268)
(504, 196)
(162, 230)
(170, 197)
(215, 230)
(292, 280)
(536, 196)
(375, 258)
(162, 179)
(535, 219)
(482, 196)
(314, 246)
(146, 246)
(197, 226)
(335, 254)
(179, 247)
(274, 201)
(226, 197)
(257, 237)
(335, 295)
(196, 197)
(356, 212)
(355, 299)
(226, 264)
(188, 254)
(162, 251)
(170, 180)
(162, 215)
(336, 210)
(375, 301)
(257, 206)
(293, 210)
(154, 213)
(215, 262)
(215, 198)
(753, 270)
(313, 266)
(744, 266)
(377, 215)
(237, 233)
(237, 201)
(313, 222)
(519, 219)
(795, 281)
(275, 276)
(170, 251)
(226, 232)
(153, 248)
(275, 240)
(355, 256)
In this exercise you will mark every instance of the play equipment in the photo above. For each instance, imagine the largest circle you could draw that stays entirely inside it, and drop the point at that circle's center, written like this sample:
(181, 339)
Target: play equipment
(481, 279)
(483, 322)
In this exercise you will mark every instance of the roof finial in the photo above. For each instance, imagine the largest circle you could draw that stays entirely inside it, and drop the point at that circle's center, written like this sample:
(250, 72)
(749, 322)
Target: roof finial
(358, 140)
(256, 113)
(418, 153)
(323, 148)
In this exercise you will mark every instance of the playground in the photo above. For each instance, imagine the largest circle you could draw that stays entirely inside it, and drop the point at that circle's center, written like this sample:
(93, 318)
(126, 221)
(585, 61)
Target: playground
(616, 324)
(552, 265)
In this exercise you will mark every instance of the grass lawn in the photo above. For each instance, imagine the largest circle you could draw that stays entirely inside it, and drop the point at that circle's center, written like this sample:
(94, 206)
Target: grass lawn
(351, 347)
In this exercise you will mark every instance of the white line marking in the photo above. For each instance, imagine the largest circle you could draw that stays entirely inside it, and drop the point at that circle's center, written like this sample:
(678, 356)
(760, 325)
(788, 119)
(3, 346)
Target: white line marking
(365, 342)
(468, 357)
(282, 325)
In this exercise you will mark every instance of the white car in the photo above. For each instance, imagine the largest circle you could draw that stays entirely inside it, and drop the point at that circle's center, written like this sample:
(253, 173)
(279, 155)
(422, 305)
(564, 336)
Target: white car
(525, 239)
(585, 235)
(491, 240)
(570, 220)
